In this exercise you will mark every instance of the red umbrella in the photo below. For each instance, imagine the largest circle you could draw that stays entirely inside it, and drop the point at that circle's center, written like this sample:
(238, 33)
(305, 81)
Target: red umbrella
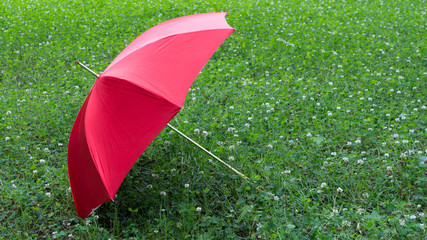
(133, 100)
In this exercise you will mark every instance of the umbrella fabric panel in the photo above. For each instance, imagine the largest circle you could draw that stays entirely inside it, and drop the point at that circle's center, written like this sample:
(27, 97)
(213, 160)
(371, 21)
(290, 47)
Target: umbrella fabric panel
(169, 66)
(89, 184)
(181, 25)
(121, 121)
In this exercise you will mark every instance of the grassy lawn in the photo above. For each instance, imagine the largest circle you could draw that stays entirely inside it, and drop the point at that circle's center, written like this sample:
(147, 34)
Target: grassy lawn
(321, 103)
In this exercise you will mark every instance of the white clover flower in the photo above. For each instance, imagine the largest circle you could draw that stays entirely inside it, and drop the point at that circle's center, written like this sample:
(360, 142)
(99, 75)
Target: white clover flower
(60, 144)
(8, 112)
(323, 185)
(231, 148)
(42, 161)
(329, 113)
(186, 185)
(35, 171)
(358, 141)
(48, 194)
(205, 133)
(346, 223)
(162, 193)
(7, 138)
(286, 172)
(247, 125)
(413, 217)
(13, 186)
(231, 158)
(389, 168)
(276, 198)
(345, 159)
(402, 222)
(405, 141)
(196, 131)
(149, 186)
(198, 209)
(340, 190)
(360, 161)
(309, 135)
(269, 146)
(231, 129)
(331, 83)
(360, 211)
(333, 153)
(335, 211)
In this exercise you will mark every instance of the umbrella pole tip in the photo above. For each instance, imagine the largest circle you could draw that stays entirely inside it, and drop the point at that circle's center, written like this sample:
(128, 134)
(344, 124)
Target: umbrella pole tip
(77, 62)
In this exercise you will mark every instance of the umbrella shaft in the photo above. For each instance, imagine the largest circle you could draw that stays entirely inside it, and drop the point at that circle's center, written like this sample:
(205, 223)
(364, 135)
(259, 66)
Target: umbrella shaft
(208, 152)
(88, 69)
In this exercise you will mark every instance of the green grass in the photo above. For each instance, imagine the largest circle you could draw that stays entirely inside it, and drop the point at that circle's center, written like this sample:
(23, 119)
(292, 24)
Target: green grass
(322, 103)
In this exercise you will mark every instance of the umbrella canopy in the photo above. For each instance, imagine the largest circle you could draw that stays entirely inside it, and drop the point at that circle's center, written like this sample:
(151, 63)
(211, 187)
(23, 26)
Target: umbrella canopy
(132, 101)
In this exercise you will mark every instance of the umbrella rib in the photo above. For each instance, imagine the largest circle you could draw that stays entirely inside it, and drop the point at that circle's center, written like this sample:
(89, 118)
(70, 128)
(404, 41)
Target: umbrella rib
(185, 136)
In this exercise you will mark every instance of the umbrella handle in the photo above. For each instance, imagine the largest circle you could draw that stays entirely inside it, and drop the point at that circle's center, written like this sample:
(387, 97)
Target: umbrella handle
(208, 152)
(185, 136)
